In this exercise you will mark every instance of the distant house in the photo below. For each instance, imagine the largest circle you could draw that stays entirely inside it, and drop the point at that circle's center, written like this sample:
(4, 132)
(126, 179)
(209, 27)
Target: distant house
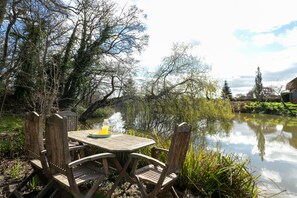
(290, 95)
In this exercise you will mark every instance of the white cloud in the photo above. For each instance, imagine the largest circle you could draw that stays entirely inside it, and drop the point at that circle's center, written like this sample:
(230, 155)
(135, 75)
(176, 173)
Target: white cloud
(264, 39)
(289, 39)
(237, 137)
(271, 175)
(213, 23)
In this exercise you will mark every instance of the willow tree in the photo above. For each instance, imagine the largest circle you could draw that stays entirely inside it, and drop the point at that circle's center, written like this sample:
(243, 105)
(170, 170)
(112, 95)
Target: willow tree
(182, 72)
(179, 90)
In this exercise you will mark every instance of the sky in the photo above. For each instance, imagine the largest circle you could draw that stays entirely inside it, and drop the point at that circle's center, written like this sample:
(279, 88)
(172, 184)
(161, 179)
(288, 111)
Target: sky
(233, 36)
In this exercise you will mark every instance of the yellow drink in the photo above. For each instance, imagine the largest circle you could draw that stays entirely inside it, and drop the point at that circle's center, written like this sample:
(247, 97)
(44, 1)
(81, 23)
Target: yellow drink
(104, 130)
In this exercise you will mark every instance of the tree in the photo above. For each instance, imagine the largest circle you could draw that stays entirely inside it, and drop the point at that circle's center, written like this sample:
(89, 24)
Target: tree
(106, 36)
(269, 93)
(32, 41)
(250, 94)
(2, 10)
(129, 88)
(258, 84)
(180, 73)
(226, 91)
(74, 54)
(182, 76)
(178, 90)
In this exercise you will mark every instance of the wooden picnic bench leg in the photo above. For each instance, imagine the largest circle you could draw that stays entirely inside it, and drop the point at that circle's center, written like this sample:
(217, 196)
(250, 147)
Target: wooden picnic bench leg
(46, 189)
(123, 174)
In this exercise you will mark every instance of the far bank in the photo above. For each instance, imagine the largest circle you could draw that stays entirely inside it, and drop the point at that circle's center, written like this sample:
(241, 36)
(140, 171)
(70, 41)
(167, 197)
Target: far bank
(264, 107)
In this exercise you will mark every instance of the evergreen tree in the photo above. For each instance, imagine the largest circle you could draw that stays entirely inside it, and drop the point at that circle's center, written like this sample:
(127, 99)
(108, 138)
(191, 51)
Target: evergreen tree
(129, 88)
(226, 91)
(258, 84)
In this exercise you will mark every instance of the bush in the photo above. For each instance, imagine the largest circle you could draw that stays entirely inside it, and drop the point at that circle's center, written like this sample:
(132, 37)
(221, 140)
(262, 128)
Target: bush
(276, 108)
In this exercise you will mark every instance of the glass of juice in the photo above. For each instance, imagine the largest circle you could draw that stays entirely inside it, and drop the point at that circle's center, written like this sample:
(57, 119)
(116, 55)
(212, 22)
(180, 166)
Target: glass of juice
(105, 127)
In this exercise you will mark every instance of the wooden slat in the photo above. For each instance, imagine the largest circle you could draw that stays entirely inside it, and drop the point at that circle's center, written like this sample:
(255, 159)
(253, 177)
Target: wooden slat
(72, 119)
(57, 143)
(114, 143)
(67, 174)
(33, 135)
(152, 173)
(178, 148)
(36, 163)
(82, 174)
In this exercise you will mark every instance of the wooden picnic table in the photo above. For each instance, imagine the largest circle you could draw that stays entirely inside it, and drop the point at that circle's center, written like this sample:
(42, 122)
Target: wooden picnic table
(118, 143)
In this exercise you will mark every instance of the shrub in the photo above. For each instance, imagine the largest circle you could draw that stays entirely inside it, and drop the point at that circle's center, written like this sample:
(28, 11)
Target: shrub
(277, 108)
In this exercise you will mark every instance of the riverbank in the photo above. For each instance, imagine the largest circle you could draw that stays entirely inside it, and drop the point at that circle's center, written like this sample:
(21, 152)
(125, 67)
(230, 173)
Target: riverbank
(205, 172)
(273, 108)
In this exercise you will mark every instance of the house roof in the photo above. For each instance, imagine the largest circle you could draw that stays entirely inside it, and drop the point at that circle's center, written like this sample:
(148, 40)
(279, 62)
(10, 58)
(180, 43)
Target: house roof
(292, 85)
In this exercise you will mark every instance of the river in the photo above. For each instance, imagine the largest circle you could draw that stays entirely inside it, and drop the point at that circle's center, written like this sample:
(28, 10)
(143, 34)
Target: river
(271, 144)
(269, 141)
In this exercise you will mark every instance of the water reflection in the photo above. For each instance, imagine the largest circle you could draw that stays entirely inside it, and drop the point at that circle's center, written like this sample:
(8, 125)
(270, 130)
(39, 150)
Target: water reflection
(270, 142)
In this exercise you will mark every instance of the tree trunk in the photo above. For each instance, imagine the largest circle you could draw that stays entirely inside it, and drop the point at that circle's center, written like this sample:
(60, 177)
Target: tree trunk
(102, 103)
(3, 4)
(96, 105)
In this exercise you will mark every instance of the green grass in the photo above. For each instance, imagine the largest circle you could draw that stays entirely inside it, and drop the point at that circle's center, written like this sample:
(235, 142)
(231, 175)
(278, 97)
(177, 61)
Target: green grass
(34, 183)
(12, 139)
(16, 170)
(11, 123)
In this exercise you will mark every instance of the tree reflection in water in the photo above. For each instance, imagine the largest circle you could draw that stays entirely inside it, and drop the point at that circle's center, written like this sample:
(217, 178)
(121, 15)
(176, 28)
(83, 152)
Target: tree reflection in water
(281, 129)
(277, 128)
(271, 148)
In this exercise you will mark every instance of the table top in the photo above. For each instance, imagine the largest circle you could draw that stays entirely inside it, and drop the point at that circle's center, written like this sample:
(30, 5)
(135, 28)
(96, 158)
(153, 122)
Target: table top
(117, 142)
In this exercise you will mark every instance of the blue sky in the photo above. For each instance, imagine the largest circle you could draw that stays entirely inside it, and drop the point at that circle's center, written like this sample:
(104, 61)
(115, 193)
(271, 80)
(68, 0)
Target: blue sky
(233, 36)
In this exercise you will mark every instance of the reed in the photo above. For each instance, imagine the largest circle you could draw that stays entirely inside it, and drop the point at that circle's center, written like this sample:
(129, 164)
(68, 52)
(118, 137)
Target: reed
(213, 174)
